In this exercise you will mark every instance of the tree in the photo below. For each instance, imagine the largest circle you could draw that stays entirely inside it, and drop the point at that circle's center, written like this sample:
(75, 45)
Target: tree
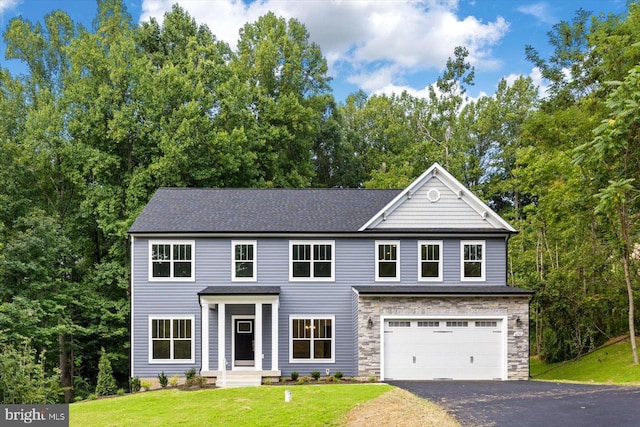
(106, 383)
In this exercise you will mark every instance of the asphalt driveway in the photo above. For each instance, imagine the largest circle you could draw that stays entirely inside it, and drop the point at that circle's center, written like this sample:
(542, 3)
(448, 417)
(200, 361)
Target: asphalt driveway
(531, 403)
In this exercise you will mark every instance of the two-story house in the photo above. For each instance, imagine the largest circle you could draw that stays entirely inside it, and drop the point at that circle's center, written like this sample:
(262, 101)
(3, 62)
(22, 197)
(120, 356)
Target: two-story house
(392, 284)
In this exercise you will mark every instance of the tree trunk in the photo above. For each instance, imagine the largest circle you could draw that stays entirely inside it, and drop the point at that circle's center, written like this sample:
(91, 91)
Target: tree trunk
(632, 329)
(65, 378)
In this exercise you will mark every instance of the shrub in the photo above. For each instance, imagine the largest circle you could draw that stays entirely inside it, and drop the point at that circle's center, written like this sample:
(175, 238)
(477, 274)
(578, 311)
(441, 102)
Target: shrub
(106, 382)
(145, 384)
(135, 385)
(120, 392)
(372, 379)
(335, 379)
(338, 375)
(294, 376)
(315, 375)
(23, 379)
(93, 396)
(196, 381)
(190, 374)
(173, 381)
(163, 380)
(304, 380)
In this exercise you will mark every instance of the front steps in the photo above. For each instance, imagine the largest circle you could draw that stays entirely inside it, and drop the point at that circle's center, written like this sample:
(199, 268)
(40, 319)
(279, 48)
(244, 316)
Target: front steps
(240, 378)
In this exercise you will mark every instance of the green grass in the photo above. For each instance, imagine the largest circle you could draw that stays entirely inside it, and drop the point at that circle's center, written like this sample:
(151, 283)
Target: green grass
(612, 364)
(323, 405)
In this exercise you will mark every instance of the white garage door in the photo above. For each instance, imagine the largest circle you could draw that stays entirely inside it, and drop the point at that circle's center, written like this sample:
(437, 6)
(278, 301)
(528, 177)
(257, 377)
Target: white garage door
(458, 349)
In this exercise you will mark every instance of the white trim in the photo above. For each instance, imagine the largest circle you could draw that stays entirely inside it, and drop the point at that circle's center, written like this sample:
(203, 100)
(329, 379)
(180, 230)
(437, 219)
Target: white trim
(274, 335)
(239, 299)
(204, 341)
(240, 317)
(450, 181)
(377, 243)
(254, 277)
(171, 278)
(222, 365)
(171, 318)
(483, 264)
(133, 314)
(257, 336)
(312, 243)
(438, 243)
(313, 317)
(504, 349)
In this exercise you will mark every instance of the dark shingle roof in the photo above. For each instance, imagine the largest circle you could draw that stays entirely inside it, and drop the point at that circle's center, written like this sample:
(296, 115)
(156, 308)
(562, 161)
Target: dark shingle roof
(189, 210)
(441, 290)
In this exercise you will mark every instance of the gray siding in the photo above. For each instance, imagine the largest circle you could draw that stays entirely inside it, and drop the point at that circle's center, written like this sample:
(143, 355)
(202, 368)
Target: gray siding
(354, 265)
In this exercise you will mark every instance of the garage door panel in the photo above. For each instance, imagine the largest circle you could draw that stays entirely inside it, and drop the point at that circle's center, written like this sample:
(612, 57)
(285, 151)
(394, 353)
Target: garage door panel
(461, 351)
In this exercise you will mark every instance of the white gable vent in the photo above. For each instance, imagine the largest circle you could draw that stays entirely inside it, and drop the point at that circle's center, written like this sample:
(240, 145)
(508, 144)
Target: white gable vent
(433, 195)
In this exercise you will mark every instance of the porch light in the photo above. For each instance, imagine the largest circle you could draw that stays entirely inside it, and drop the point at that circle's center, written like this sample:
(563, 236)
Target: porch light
(370, 323)
(518, 321)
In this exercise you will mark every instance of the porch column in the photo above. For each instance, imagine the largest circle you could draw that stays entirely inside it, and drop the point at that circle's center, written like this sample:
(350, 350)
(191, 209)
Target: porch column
(257, 336)
(221, 337)
(274, 336)
(204, 350)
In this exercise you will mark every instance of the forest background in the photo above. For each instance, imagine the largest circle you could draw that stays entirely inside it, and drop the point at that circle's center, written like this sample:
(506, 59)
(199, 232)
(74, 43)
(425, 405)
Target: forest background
(104, 116)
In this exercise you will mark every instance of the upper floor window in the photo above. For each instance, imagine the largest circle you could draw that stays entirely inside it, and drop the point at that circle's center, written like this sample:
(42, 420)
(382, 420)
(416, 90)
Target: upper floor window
(171, 339)
(244, 261)
(430, 262)
(311, 260)
(387, 260)
(171, 260)
(473, 260)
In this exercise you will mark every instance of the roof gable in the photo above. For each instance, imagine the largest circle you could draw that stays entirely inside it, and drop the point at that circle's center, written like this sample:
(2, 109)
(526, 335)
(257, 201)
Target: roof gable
(436, 200)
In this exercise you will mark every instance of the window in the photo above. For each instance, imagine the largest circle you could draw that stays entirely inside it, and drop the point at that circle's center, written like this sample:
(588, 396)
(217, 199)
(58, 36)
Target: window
(244, 261)
(428, 324)
(311, 260)
(171, 339)
(457, 324)
(473, 265)
(387, 261)
(486, 324)
(311, 339)
(430, 262)
(171, 261)
(399, 324)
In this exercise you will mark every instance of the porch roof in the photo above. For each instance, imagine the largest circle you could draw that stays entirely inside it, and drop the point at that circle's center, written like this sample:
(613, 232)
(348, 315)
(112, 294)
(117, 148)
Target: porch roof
(240, 290)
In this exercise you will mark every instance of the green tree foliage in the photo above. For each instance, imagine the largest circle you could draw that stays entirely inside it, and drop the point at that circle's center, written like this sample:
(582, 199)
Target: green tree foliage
(106, 385)
(24, 378)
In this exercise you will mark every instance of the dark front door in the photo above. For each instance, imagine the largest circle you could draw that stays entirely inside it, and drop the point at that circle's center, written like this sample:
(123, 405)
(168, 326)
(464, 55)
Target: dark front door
(244, 342)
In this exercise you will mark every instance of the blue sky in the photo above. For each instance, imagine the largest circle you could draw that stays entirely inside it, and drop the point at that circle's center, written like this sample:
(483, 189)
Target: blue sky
(377, 46)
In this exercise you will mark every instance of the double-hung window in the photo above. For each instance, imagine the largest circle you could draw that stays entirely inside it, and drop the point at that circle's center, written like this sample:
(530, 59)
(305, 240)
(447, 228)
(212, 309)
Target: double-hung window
(171, 339)
(312, 339)
(244, 257)
(387, 260)
(472, 260)
(311, 260)
(430, 260)
(171, 260)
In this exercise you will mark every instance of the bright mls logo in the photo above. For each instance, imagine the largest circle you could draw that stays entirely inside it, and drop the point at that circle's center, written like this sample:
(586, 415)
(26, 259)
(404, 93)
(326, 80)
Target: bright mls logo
(44, 415)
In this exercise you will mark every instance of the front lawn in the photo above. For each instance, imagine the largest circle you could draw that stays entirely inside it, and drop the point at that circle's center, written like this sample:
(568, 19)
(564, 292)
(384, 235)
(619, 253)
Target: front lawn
(325, 405)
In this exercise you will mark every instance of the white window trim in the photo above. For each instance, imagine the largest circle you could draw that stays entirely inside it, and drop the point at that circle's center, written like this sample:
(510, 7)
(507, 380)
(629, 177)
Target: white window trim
(420, 260)
(483, 264)
(171, 318)
(233, 261)
(375, 257)
(331, 243)
(313, 317)
(171, 278)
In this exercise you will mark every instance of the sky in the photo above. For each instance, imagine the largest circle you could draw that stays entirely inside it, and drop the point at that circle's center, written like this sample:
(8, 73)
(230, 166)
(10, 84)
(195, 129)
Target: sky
(378, 46)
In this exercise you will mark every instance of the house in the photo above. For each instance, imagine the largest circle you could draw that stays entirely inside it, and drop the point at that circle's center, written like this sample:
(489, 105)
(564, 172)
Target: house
(392, 284)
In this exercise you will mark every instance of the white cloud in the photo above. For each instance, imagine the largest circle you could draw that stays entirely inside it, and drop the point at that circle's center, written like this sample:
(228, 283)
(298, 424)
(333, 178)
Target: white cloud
(397, 37)
(536, 78)
(8, 4)
(540, 11)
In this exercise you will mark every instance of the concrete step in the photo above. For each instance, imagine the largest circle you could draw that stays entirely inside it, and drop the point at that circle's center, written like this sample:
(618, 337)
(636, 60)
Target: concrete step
(237, 379)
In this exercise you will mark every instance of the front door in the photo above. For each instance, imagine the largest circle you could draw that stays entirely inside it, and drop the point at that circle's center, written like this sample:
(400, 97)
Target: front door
(243, 342)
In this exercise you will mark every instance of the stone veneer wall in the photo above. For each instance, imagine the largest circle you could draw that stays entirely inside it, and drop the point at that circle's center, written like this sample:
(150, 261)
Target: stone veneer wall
(512, 307)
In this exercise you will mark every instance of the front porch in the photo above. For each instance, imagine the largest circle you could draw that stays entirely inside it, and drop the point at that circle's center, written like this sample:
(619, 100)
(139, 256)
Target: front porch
(239, 334)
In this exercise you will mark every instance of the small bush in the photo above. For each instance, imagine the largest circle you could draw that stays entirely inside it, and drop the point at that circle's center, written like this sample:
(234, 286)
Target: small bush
(134, 384)
(190, 374)
(372, 379)
(338, 375)
(304, 380)
(173, 381)
(120, 392)
(196, 381)
(335, 379)
(92, 396)
(78, 399)
(294, 376)
(106, 382)
(315, 375)
(163, 380)
(146, 385)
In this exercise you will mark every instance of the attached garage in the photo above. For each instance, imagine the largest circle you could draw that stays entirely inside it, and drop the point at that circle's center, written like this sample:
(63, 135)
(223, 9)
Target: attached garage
(466, 348)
